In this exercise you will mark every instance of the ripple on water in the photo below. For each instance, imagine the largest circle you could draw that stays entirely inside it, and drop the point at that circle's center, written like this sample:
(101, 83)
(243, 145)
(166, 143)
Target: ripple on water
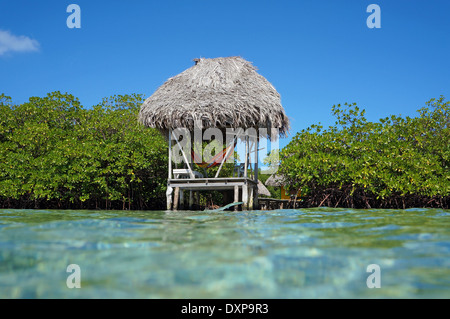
(303, 253)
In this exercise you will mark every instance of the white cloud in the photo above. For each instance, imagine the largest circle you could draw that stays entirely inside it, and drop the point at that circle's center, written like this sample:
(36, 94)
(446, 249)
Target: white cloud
(12, 43)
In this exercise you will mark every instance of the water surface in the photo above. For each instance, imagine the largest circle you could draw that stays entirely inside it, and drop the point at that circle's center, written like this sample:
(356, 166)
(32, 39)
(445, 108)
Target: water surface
(305, 253)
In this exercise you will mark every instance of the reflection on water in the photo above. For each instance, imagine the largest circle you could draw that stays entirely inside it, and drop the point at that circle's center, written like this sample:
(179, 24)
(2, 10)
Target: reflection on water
(305, 253)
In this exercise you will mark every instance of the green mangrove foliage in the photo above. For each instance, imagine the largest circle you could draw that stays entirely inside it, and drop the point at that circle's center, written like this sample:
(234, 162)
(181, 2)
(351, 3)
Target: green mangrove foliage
(395, 162)
(56, 154)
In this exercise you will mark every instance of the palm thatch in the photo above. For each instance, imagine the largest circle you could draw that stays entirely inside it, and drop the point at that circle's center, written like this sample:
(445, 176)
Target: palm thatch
(221, 93)
(275, 180)
(262, 190)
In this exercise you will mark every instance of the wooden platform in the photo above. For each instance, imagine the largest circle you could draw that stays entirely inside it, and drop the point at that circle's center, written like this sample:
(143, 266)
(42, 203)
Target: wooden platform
(182, 179)
(204, 184)
(245, 190)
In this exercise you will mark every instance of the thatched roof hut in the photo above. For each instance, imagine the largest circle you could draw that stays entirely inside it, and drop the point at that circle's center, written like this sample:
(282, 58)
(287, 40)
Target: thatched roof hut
(275, 180)
(221, 93)
(262, 190)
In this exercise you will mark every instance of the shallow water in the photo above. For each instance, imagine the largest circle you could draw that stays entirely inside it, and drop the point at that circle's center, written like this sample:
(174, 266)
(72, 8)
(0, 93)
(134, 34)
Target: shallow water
(305, 253)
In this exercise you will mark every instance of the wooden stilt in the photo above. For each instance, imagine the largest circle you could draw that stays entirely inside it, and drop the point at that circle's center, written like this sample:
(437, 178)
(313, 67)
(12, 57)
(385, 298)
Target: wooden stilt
(246, 157)
(191, 199)
(169, 175)
(236, 196)
(170, 155)
(197, 198)
(169, 197)
(181, 205)
(245, 197)
(256, 199)
(250, 199)
(255, 196)
(245, 186)
(176, 198)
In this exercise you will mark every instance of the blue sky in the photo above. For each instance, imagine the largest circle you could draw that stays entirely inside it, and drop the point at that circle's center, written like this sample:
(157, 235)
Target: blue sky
(315, 53)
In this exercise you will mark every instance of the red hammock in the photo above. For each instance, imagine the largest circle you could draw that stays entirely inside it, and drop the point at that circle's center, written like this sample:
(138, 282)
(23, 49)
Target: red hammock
(215, 160)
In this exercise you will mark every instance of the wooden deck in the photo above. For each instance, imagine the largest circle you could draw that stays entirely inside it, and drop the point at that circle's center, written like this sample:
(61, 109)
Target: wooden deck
(198, 184)
(245, 190)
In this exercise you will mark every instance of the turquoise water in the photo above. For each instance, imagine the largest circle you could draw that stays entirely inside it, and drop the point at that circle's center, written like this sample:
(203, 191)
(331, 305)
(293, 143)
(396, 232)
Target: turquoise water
(305, 253)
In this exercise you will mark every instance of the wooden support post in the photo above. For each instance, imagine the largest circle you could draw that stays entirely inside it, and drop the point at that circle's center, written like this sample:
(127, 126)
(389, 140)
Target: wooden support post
(197, 198)
(169, 174)
(250, 159)
(236, 196)
(169, 197)
(181, 199)
(246, 156)
(255, 198)
(176, 198)
(245, 197)
(191, 199)
(250, 200)
(170, 155)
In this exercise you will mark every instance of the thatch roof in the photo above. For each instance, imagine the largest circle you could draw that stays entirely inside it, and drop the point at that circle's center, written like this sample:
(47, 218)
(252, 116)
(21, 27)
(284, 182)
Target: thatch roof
(220, 92)
(262, 190)
(275, 180)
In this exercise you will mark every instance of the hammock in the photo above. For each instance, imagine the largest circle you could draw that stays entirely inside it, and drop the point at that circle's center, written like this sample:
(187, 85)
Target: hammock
(215, 160)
